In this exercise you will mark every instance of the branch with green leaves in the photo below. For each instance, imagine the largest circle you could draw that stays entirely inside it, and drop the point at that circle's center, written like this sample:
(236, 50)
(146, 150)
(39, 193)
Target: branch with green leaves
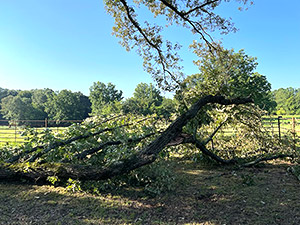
(160, 55)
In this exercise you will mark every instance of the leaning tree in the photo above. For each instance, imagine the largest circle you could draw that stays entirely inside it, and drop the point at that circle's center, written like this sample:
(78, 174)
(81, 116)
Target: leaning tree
(101, 148)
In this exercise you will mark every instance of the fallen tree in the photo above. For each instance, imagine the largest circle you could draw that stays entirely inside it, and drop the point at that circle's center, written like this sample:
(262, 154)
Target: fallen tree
(138, 159)
(224, 78)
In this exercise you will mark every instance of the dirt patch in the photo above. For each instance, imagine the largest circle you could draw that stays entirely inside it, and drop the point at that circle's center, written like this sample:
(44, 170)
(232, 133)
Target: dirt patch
(204, 195)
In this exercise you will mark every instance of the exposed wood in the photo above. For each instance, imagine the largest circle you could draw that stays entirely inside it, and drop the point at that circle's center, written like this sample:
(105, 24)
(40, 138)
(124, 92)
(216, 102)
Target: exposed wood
(215, 157)
(267, 158)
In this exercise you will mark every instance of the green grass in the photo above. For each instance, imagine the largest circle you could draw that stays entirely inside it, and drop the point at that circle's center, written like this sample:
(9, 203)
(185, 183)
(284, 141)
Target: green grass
(203, 195)
(12, 135)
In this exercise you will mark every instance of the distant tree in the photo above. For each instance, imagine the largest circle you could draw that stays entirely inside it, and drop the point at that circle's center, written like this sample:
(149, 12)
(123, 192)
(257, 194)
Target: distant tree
(105, 98)
(297, 102)
(18, 108)
(86, 105)
(25, 94)
(66, 105)
(39, 99)
(146, 98)
(4, 93)
(288, 101)
(167, 107)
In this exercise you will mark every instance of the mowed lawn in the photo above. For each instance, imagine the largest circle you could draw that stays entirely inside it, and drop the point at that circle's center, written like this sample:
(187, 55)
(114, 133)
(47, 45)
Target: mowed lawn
(267, 194)
(10, 134)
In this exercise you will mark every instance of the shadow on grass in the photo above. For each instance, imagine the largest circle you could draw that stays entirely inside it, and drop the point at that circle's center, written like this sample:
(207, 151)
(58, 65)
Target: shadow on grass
(203, 195)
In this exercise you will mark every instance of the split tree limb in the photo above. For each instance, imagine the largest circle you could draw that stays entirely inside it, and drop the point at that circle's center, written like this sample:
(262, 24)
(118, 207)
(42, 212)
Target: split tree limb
(268, 158)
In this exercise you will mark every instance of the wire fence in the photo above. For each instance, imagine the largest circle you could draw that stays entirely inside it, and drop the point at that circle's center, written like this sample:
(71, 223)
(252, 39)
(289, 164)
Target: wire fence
(11, 130)
(280, 126)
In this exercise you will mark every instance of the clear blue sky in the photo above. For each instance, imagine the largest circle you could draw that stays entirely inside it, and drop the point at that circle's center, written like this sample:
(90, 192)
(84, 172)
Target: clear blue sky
(67, 44)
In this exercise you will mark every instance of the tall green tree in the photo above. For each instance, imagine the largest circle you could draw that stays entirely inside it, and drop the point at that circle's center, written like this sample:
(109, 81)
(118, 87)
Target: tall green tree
(105, 99)
(288, 101)
(4, 93)
(66, 105)
(230, 74)
(40, 98)
(145, 101)
(19, 108)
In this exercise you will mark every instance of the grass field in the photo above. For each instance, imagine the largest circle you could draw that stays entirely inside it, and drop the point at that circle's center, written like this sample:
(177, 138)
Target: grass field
(12, 135)
(209, 195)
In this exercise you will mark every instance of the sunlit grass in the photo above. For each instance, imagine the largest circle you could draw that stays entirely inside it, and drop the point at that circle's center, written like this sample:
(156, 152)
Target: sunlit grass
(12, 135)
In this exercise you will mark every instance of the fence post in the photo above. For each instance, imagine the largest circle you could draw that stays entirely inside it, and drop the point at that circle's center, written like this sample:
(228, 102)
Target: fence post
(46, 122)
(279, 117)
(15, 131)
(294, 131)
(272, 127)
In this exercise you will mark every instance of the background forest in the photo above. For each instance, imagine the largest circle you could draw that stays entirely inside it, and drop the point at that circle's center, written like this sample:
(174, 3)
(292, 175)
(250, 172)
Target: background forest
(39, 104)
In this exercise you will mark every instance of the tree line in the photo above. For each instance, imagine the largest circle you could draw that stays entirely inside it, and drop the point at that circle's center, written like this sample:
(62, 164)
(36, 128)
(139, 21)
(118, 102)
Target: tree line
(104, 99)
(39, 104)
(287, 100)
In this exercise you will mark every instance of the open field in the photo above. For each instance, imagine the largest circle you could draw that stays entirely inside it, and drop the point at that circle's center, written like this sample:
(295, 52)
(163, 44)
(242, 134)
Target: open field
(267, 194)
(13, 135)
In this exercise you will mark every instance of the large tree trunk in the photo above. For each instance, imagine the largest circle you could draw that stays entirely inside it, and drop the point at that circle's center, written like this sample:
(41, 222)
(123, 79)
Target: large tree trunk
(143, 157)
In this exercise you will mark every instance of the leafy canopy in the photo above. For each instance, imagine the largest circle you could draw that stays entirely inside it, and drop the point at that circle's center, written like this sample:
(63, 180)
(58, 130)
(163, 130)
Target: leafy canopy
(67, 105)
(105, 99)
(288, 101)
(229, 74)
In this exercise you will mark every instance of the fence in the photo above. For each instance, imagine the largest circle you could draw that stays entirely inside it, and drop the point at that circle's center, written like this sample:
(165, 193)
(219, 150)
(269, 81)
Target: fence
(280, 125)
(10, 130)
